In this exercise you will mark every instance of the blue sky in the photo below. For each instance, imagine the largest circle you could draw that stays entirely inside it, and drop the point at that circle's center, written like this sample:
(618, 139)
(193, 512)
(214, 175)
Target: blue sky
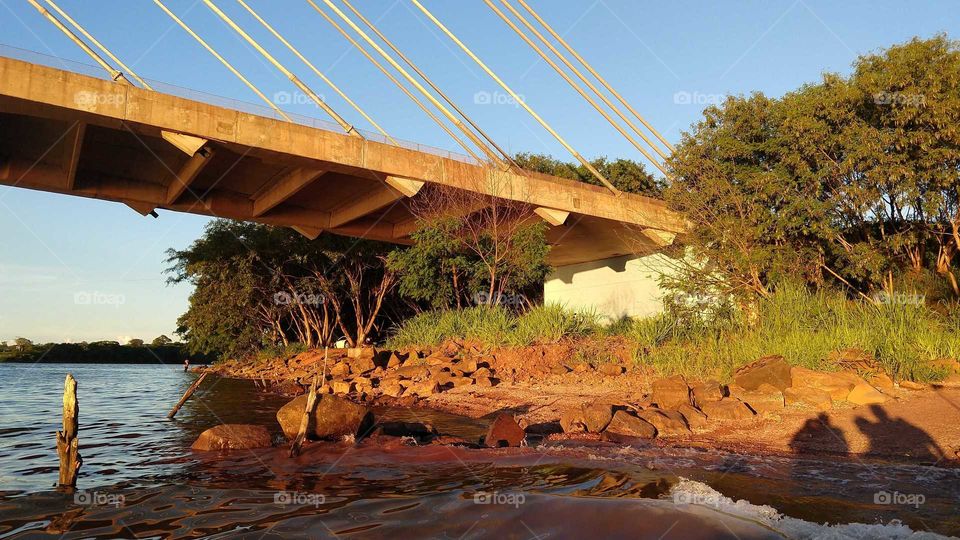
(79, 270)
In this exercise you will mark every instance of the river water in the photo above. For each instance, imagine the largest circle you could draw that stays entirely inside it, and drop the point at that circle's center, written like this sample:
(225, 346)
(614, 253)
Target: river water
(141, 480)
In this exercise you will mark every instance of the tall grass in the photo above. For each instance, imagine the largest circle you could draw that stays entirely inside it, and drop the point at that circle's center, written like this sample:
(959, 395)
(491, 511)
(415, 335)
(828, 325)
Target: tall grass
(803, 326)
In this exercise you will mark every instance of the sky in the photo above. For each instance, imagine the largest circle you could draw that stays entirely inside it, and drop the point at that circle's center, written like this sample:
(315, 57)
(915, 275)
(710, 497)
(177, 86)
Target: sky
(73, 269)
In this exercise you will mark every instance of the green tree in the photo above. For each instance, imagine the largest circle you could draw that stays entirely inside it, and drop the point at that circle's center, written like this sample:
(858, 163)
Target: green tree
(626, 175)
(23, 344)
(161, 341)
(135, 343)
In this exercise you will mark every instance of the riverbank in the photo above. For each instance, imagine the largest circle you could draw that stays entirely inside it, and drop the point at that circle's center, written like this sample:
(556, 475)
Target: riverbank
(769, 407)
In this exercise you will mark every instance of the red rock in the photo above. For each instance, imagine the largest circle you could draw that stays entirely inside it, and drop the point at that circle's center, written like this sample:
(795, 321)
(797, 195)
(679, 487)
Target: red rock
(726, 409)
(572, 421)
(694, 417)
(704, 391)
(671, 392)
(773, 370)
(611, 370)
(810, 397)
(333, 418)
(864, 394)
(624, 424)
(504, 431)
(233, 437)
(765, 399)
(596, 416)
(668, 423)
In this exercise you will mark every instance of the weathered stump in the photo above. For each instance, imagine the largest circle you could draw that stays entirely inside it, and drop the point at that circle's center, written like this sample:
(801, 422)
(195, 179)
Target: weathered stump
(186, 395)
(68, 446)
(305, 421)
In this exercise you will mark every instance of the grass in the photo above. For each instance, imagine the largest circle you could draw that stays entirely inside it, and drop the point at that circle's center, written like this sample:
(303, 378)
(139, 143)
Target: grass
(804, 327)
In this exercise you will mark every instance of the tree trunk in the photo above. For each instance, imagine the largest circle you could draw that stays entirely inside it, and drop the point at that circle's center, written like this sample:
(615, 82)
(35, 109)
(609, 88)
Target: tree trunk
(68, 445)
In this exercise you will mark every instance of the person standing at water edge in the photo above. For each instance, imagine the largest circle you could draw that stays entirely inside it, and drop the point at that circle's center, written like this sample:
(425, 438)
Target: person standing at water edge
(186, 364)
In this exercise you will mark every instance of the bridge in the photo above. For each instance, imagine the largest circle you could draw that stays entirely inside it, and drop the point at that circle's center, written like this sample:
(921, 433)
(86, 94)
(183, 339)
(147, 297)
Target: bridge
(68, 132)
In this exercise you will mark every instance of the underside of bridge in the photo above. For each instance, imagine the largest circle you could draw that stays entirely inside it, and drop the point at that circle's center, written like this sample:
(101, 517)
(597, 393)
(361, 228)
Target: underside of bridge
(68, 133)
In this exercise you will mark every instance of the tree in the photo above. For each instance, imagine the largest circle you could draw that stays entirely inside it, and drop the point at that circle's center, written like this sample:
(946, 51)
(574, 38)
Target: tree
(160, 341)
(135, 343)
(626, 175)
(471, 247)
(852, 181)
(23, 344)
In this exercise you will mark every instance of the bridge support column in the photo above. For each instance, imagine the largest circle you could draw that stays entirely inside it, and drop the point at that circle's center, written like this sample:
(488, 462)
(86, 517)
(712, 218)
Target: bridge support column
(613, 288)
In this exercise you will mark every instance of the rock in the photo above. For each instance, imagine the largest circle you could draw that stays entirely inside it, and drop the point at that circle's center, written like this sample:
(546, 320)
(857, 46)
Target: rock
(413, 372)
(436, 360)
(424, 388)
(394, 361)
(572, 420)
(596, 416)
(773, 370)
(559, 370)
(704, 391)
(233, 437)
(610, 369)
(361, 352)
(853, 359)
(911, 385)
(468, 366)
(765, 399)
(342, 387)
(809, 397)
(483, 381)
(726, 409)
(482, 372)
(624, 424)
(881, 381)
(671, 392)
(333, 418)
(361, 364)
(391, 387)
(864, 394)
(503, 432)
(340, 369)
(693, 416)
(407, 429)
(667, 422)
(837, 384)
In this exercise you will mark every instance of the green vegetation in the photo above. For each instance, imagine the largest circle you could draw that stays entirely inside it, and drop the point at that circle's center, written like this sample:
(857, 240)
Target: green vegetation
(100, 352)
(805, 327)
(851, 183)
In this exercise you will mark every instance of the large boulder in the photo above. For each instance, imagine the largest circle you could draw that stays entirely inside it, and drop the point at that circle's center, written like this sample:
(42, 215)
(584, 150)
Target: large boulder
(764, 400)
(671, 392)
(597, 415)
(837, 384)
(704, 391)
(333, 418)
(413, 371)
(772, 370)
(726, 409)
(572, 420)
(693, 416)
(233, 437)
(626, 425)
(504, 431)
(813, 398)
(667, 422)
(864, 394)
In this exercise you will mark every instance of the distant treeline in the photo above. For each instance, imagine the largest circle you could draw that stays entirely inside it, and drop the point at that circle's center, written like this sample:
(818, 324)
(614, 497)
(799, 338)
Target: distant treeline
(103, 352)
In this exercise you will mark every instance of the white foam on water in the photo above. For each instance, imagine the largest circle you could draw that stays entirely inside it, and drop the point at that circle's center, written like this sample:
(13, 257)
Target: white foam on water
(687, 492)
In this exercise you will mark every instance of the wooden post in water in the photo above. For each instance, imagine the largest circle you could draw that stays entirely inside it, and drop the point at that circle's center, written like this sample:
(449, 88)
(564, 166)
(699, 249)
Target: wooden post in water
(186, 395)
(305, 420)
(68, 446)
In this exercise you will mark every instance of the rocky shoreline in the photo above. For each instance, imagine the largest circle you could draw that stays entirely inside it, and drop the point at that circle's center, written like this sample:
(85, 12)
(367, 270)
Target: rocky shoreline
(769, 406)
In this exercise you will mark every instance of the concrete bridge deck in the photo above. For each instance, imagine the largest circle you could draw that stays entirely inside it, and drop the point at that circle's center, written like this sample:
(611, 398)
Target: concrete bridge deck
(69, 133)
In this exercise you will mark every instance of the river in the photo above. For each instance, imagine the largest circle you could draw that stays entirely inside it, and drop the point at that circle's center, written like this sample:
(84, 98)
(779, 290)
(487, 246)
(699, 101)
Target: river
(141, 480)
